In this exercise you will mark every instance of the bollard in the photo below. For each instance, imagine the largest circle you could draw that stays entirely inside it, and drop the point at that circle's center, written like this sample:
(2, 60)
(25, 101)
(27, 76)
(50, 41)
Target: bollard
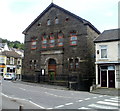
(20, 108)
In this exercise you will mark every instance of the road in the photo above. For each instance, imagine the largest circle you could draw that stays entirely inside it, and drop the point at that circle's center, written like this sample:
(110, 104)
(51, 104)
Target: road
(32, 96)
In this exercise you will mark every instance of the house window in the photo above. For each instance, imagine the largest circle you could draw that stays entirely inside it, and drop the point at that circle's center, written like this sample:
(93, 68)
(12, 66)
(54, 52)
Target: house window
(71, 64)
(60, 39)
(44, 41)
(56, 20)
(33, 43)
(103, 51)
(73, 39)
(11, 60)
(52, 40)
(48, 22)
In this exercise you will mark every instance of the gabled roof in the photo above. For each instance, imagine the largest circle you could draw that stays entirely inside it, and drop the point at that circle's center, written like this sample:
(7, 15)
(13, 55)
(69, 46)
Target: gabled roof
(62, 9)
(11, 54)
(108, 35)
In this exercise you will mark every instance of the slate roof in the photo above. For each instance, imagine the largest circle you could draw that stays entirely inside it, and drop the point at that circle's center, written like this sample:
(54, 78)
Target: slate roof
(11, 54)
(108, 35)
(2, 45)
(66, 11)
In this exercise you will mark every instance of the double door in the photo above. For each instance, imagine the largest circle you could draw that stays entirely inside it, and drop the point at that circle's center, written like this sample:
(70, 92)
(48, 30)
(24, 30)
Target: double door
(108, 78)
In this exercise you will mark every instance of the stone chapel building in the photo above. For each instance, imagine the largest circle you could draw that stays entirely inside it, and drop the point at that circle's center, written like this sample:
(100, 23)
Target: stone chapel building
(59, 47)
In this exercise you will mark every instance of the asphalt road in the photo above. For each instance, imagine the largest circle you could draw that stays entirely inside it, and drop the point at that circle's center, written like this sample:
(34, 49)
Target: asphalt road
(32, 96)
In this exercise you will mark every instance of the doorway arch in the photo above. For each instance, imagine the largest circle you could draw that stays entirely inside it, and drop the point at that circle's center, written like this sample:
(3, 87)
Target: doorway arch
(52, 69)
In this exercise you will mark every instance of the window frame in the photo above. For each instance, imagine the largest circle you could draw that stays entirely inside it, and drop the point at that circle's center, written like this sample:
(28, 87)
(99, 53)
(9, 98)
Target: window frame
(33, 43)
(44, 45)
(52, 37)
(60, 37)
(73, 35)
(103, 47)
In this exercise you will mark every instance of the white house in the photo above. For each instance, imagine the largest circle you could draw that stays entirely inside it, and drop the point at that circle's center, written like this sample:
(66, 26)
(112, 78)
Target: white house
(107, 63)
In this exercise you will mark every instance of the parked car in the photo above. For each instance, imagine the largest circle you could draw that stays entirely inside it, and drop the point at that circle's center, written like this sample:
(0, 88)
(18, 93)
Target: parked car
(9, 76)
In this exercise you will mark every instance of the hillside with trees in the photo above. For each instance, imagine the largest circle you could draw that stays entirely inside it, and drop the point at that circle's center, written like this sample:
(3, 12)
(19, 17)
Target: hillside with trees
(13, 44)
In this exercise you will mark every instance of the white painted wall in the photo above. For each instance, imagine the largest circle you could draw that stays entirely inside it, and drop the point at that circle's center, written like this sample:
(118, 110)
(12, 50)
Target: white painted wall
(112, 51)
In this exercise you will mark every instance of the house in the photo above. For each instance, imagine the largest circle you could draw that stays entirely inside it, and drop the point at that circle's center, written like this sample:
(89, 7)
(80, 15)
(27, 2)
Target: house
(107, 63)
(10, 62)
(59, 47)
(3, 47)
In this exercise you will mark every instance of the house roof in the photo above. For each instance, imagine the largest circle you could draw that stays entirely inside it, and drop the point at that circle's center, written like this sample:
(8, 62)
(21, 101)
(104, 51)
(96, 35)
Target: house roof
(11, 54)
(2, 45)
(66, 11)
(108, 35)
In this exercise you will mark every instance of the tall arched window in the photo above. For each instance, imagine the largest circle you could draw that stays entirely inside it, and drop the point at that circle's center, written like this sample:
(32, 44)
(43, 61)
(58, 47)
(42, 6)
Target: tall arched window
(33, 43)
(76, 63)
(44, 41)
(52, 40)
(71, 64)
(60, 39)
(73, 38)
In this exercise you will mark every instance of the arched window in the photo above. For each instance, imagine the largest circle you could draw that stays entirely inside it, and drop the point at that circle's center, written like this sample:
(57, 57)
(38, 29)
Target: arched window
(60, 39)
(48, 22)
(73, 38)
(51, 62)
(56, 20)
(33, 43)
(76, 63)
(44, 41)
(71, 64)
(52, 40)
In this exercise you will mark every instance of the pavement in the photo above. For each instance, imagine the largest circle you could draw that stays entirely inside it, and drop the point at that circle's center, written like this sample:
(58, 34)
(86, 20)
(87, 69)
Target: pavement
(107, 91)
(102, 91)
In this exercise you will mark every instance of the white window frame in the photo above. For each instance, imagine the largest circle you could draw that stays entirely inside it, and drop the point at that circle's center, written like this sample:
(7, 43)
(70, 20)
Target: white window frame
(101, 48)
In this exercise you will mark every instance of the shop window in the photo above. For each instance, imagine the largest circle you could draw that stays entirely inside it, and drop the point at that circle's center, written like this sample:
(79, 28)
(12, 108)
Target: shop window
(44, 41)
(52, 40)
(56, 20)
(73, 39)
(33, 43)
(60, 39)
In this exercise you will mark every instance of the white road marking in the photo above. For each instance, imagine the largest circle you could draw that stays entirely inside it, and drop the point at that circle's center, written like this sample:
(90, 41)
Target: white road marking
(59, 106)
(87, 99)
(115, 98)
(22, 89)
(36, 105)
(101, 106)
(68, 103)
(79, 101)
(23, 100)
(108, 103)
(101, 96)
(111, 100)
(83, 108)
(49, 108)
(94, 97)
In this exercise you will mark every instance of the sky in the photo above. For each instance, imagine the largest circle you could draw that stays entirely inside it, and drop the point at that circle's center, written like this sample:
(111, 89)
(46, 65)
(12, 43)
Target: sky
(16, 15)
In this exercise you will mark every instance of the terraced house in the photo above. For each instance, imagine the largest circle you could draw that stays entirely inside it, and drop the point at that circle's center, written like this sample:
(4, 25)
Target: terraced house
(59, 47)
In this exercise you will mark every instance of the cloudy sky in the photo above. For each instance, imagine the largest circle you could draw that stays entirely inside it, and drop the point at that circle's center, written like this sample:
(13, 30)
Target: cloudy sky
(16, 15)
